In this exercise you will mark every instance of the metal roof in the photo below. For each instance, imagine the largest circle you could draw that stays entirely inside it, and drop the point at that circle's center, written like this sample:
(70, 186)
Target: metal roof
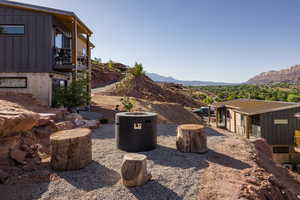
(254, 107)
(45, 10)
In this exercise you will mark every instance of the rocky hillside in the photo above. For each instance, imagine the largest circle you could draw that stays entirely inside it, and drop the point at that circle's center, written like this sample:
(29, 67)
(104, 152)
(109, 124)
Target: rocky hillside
(290, 75)
(103, 74)
(144, 88)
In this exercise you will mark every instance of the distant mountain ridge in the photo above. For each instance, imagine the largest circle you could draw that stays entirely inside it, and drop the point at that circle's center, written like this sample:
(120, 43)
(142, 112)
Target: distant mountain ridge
(290, 75)
(169, 79)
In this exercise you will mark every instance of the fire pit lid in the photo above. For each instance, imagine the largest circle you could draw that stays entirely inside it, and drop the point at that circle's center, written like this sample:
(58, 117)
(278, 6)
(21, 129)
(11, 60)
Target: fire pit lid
(136, 114)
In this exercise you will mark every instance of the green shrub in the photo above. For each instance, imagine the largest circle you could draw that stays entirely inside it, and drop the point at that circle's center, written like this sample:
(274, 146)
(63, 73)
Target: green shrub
(110, 64)
(128, 103)
(74, 95)
(293, 98)
(137, 70)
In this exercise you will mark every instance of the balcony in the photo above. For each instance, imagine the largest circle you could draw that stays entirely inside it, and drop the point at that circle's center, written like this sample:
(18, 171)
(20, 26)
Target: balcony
(63, 61)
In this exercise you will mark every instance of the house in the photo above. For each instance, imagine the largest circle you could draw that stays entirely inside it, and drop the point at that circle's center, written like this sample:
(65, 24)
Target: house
(274, 121)
(41, 48)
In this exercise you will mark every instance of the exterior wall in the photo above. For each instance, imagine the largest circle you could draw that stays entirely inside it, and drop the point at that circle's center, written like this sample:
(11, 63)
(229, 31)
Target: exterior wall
(240, 129)
(280, 134)
(232, 124)
(81, 44)
(38, 84)
(292, 157)
(30, 52)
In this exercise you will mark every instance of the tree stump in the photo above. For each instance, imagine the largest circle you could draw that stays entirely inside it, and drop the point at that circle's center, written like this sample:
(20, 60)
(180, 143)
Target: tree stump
(191, 138)
(134, 170)
(71, 149)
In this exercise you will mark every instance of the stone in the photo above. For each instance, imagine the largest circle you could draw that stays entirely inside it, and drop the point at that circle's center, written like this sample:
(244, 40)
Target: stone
(45, 118)
(73, 117)
(18, 155)
(87, 123)
(3, 176)
(14, 122)
(66, 125)
(45, 131)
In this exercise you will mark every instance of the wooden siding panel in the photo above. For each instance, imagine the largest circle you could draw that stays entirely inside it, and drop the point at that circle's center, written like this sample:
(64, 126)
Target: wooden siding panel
(31, 52)
(280, 134)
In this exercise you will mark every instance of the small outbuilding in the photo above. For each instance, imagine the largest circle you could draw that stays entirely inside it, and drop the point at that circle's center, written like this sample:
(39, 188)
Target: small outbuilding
(274, 121)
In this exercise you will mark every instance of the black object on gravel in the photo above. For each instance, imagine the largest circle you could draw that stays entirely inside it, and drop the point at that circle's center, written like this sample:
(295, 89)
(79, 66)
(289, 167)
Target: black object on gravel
(136, 131)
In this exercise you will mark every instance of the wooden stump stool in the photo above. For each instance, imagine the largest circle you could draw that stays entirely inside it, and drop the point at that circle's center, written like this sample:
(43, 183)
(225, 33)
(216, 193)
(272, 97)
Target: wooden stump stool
(71, 149)
(134, 170)
(191, 138)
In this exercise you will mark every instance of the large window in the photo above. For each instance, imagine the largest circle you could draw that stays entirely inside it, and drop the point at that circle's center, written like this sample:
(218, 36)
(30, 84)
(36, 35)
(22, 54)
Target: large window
(13, 82)
(12, 29)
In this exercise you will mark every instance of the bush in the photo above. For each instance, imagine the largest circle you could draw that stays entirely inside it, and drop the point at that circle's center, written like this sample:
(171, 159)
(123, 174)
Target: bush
(74, 95)
(110, 64)
(293, 98)
(137, 70)
(128, 103)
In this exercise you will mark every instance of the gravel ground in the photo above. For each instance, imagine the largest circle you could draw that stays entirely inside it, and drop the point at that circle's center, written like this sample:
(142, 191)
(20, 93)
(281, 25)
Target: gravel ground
(175, 175)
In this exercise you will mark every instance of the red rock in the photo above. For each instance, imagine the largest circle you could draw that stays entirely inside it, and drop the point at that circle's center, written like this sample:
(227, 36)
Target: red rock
(3, 176)
(73, 117)
(13, 122)
(66, 125)
(18, 155)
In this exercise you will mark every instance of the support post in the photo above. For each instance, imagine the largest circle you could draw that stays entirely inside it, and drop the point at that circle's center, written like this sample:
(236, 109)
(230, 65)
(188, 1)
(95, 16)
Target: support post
(217, 117)
(209, 107)
(234, 121)
(89, 66)
(74, 46)
(248, 126)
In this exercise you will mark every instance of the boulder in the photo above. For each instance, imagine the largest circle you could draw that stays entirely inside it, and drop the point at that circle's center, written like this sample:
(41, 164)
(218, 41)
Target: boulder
(73, 117)
(66, 125)
(45, 118)
(18, 155)
(46, 130)
(13, 122)
(3, 176)
(87, 123)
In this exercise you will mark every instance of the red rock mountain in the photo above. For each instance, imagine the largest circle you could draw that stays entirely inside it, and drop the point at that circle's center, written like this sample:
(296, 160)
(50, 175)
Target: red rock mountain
(290, 75)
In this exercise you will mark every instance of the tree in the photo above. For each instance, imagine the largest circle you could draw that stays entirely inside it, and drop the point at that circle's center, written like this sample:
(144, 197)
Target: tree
(293, 98)
(97, 60)
(74, 95)
(209, 100)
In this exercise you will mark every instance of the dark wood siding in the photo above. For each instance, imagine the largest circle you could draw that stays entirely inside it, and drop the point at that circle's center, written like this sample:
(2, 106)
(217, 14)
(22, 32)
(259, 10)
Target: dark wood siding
(279, 134)
(31, 52)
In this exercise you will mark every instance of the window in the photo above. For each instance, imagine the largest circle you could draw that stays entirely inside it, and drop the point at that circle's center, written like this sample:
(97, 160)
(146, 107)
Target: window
(13, 82)
(12, 30)
(281, 150)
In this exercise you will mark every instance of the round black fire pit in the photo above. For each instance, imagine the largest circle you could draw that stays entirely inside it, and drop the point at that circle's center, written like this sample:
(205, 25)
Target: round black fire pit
(136, 131)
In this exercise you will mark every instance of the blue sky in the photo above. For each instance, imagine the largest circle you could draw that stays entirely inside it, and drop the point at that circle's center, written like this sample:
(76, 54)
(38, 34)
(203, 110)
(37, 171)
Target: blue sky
(209, 40)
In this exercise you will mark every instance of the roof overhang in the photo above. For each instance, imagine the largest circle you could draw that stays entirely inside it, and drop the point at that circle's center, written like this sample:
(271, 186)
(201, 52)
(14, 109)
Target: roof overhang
(237, 109)
(85, 39)
(55, 12)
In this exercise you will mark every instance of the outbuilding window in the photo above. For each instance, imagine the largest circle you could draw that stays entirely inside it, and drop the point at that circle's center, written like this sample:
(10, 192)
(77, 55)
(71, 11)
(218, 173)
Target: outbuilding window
(12, 29)
(281, 149)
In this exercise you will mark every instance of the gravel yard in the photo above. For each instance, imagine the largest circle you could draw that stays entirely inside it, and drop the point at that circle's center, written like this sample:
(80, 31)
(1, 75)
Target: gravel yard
(175, 175)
